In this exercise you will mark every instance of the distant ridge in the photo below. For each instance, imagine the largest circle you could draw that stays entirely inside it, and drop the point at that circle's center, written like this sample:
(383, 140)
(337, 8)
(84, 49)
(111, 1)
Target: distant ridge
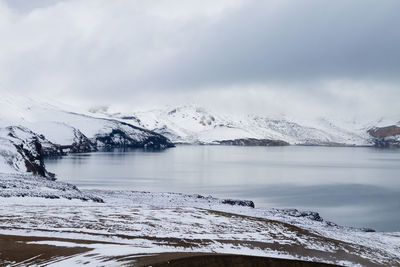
(196, 125)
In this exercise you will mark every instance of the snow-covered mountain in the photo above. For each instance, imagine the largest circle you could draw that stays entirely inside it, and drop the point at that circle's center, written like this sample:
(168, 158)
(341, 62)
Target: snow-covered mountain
(30, 130)
(28, 127)
(193, 124)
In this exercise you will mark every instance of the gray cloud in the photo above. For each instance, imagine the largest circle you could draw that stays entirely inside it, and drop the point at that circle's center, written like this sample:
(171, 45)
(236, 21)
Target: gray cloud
(312, 55)
(28, 6)
(296, 42)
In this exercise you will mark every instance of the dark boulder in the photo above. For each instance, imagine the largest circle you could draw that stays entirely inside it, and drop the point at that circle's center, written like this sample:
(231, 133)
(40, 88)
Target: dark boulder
(312, 215)
(236, 202)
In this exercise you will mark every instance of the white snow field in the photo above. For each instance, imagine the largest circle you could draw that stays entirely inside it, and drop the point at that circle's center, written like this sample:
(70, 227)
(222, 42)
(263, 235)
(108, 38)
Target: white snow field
(194, 124)
(60, 125)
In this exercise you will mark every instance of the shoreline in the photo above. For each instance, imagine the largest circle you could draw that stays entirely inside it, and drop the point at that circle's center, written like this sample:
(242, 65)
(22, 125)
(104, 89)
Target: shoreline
(132, 224)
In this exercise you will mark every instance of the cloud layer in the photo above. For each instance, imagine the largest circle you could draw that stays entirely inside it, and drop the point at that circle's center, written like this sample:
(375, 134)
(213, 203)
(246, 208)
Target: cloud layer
(270, 56)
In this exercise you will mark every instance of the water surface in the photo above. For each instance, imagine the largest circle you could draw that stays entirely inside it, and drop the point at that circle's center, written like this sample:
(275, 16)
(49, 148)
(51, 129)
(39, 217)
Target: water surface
(351, 186)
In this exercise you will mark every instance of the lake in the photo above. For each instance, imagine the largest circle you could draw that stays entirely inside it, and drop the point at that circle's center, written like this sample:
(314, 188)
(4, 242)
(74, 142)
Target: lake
(353, 186)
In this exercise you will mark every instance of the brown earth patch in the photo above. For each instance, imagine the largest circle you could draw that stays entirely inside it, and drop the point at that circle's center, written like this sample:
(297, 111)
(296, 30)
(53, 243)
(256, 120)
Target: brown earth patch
(219, 260)
(382, 132)
(14, 249)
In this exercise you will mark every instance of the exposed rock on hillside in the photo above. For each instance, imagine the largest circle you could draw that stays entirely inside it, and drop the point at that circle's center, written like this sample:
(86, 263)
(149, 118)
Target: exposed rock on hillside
(388, 136)
(31, 149)
(126, 135)
(253, 142)
(382, 132)
(236, 202)
(81, 143)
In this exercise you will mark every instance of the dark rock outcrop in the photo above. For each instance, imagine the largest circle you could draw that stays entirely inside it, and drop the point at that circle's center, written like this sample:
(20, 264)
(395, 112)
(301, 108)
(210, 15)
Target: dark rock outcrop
(32, 150)
(81, 144)
(312, 215)
(133, 118)
(127, 135)
(368, 230)
(116, 134)
(33, 158)
(386, 143)
(236, 202)
(253, 142)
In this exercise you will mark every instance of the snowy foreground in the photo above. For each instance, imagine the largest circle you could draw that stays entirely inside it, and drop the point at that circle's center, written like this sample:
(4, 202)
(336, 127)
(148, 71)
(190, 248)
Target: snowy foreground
(96, 227)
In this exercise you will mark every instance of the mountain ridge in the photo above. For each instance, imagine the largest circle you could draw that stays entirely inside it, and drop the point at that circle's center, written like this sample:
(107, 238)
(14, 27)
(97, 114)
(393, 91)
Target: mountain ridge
(31, 130)
(192, 124)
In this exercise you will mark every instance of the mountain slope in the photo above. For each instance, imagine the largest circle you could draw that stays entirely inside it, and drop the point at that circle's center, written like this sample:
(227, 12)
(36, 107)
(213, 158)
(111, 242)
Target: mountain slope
(30, 130)
(191, 124)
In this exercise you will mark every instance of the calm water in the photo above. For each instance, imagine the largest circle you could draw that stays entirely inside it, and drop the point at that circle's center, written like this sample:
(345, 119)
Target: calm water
(350, 186)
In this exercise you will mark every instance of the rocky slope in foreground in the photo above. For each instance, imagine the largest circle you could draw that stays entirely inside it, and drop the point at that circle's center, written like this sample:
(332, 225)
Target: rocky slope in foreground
(196, 125)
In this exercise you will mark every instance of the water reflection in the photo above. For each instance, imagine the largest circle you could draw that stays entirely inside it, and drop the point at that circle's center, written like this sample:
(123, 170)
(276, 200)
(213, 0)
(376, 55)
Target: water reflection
(350, 186)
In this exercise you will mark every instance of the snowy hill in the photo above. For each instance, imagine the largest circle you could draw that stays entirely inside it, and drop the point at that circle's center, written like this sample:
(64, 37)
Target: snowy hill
(30, 130)
(192, 124)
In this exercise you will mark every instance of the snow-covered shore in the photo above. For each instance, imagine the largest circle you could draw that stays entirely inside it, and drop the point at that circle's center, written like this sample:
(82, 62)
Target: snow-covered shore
(132, 224)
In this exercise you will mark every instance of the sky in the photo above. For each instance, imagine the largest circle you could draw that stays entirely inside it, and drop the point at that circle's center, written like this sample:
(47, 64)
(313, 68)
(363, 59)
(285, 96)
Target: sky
(308, 58)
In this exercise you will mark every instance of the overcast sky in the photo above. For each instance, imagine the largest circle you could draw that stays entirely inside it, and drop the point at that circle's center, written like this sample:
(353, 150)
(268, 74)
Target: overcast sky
(270, 57)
